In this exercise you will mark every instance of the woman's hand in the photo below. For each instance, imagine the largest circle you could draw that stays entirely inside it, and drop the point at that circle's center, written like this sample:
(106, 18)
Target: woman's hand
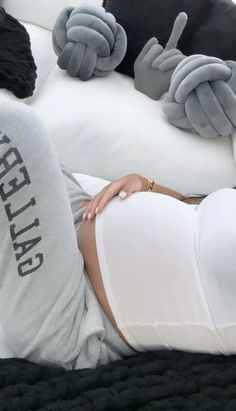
(123, 187)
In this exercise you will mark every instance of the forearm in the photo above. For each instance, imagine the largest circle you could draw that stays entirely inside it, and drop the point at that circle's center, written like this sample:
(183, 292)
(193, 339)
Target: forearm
(172, 193)
(167, 191)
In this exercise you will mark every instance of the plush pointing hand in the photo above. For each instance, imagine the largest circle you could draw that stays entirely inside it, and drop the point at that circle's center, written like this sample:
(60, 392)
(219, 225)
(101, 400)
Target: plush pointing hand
(155, 65)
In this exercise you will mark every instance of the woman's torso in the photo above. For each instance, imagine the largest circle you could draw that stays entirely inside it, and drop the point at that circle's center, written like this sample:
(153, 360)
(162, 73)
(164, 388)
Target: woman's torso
(170, 237)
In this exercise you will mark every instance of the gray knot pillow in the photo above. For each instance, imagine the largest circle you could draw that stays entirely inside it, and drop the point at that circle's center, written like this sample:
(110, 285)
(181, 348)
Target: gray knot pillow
(88, 41)
(201, 96)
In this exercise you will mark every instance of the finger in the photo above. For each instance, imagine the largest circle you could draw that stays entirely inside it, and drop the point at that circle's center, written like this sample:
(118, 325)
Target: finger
(105, 195)
(95, 200)
(92, 205)
(103, 201)
(164, 56)
(171, 63)
(152, 54)
(146, 48)
(178, 28)
(127, 189)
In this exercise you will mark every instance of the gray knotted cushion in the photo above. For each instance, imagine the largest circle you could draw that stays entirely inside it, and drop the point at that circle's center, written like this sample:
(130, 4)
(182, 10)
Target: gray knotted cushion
(201, 96)
(88, 41)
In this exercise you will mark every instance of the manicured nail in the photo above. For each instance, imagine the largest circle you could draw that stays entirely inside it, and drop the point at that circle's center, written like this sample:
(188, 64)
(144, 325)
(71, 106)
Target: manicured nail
(96, 211)
(122, 194)
(89, 216)
(84, 216)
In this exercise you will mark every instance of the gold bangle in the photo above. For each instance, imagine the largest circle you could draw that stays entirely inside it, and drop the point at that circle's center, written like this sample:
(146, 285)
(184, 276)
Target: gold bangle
(150, 185)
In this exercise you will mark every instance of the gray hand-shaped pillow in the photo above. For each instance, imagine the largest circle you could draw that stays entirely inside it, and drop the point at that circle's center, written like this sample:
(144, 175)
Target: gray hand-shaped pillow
(155, 65)
(88, 41)
(201, 96)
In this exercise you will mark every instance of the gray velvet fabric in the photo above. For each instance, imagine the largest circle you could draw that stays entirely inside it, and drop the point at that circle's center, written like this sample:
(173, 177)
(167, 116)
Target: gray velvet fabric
(201, 96)
(88, 41)
(154, 65)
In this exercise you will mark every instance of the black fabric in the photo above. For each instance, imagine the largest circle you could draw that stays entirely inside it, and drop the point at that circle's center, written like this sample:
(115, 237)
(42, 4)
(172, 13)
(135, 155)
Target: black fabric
(161, 380)
(17, 66)
(211, 28)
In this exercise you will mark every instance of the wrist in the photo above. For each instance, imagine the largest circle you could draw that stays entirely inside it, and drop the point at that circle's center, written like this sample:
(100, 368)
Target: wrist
(156, 188)
(147, 184)
(168, 191)
(144, 182)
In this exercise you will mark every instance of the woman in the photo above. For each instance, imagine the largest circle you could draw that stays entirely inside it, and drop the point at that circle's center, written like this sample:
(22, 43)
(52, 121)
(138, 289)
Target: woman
(86, 236)
(80, 292)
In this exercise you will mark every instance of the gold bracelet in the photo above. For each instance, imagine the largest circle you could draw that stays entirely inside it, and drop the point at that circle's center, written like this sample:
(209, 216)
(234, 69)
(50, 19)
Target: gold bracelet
(150, 185)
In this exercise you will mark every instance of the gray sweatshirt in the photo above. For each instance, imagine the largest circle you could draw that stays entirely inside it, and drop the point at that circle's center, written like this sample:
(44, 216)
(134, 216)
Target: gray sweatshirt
(48, 309)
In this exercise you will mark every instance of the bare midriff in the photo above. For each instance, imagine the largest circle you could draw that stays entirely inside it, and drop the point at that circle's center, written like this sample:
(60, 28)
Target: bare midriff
(87, 244)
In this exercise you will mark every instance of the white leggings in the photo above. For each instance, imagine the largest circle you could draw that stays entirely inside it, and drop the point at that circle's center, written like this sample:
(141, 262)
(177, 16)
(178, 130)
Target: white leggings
(159, 259)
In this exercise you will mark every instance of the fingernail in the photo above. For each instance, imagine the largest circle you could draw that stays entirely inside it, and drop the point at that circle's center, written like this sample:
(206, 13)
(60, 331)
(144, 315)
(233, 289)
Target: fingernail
(84, 216)
(89, 216)
(122, 194)
(96, 211)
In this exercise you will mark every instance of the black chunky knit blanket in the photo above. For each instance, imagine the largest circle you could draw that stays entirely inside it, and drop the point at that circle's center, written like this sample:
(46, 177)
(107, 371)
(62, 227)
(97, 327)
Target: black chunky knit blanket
(17, 66)
(161, 380)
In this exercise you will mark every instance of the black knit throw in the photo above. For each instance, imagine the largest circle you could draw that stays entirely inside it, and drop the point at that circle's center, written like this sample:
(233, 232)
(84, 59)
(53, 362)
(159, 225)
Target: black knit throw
(17, 66)
(161, 380)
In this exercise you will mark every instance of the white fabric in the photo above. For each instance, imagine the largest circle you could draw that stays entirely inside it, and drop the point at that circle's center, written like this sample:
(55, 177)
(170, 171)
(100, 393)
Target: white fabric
(155, 281)
(106, 128)
(41, 12)
(108, 135)
(217, 255)
(44, 56)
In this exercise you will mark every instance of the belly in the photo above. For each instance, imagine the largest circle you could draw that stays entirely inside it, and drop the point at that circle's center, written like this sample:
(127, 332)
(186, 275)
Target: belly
(140, 256)
(87, 245)
(217, 247)
(147, 256)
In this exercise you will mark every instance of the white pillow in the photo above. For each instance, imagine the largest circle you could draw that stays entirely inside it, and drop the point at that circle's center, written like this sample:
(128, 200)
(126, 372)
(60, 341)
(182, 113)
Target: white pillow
(91, 185)
(106, 128)
(44, 56)
(43, 12)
